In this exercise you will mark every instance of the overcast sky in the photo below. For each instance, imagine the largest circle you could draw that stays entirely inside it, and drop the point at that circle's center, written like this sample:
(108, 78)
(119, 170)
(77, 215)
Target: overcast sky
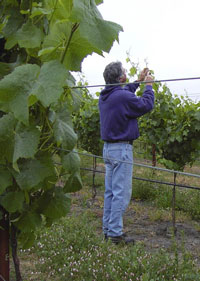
(166, 33)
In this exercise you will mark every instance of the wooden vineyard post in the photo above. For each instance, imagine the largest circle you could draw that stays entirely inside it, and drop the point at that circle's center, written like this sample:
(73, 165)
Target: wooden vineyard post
(4, 246)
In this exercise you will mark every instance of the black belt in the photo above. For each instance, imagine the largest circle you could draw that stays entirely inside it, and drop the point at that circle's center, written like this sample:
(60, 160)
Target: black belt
(121, 141)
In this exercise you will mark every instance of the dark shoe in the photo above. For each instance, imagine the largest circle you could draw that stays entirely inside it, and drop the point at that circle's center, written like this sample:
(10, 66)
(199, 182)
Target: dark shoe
(121, 239)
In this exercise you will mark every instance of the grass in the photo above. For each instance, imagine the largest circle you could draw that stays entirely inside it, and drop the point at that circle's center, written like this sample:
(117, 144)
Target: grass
(71, 250)
(74, 249)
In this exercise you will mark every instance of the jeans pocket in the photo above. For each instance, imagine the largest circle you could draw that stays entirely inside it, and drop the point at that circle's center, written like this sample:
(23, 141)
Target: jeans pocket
(115, 156)
(128, 155)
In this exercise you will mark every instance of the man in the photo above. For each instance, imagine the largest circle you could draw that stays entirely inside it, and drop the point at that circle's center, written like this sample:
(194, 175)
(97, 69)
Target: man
(119, 109)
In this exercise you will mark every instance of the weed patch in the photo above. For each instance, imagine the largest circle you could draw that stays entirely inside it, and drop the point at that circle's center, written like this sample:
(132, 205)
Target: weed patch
(72, 250)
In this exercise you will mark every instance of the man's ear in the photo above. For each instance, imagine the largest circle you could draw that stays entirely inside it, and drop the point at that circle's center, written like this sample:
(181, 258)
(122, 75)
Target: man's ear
(122, 79)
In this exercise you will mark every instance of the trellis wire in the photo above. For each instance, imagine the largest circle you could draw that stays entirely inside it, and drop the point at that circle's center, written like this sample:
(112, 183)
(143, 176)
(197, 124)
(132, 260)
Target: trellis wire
(174, 184)
(126, 162)
(136, 82)
(148, 180)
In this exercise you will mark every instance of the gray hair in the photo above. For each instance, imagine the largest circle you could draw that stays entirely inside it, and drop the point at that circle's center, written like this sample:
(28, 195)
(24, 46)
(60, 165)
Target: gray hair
(113, 72)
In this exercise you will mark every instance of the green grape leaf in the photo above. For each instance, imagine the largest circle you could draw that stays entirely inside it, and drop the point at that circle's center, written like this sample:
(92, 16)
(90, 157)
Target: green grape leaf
(71, 162)
(11, 42)
(78, 48)
(5, 179)
(73, 184)
(12, 201)
(48, 87)
(93, 35)
(26, 143)
(15, 89)
(27, 239)
(197, 115)
(197, 126)
(38, 12)
(70, 81)
(29, 36)
(54, 203)
(76, 99)
(46, 51)
(5, 68)
(29, 221)
(34, 171)
(24, 5)
(98, 32)
(64, 134)
(98, 2)
(7, 124)
(52, 47)
(15, 20)
(61, 9)
(63, 131)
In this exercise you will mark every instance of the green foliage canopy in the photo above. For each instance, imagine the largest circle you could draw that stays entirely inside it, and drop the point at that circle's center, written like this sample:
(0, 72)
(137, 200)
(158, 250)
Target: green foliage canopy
(41, 42)
(173, 127)
(87, 125)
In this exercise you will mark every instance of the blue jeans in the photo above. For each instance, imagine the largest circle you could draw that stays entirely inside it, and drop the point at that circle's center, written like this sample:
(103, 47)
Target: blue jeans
(118, 185)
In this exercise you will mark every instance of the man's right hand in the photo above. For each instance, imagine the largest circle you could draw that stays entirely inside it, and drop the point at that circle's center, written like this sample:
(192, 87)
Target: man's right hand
(148, 79)
(143, 74)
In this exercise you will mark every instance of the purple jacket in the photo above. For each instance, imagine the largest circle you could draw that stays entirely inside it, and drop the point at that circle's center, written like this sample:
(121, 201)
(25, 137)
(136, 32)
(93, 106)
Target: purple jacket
(119, 109)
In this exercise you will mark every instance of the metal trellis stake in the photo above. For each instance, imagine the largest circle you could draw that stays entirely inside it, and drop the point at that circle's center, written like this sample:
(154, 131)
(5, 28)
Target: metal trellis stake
(174, 205)
(93, 178)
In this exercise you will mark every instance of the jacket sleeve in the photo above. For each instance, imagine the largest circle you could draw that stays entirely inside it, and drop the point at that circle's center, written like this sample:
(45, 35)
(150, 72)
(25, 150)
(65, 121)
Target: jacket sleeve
(138, 106)
(132, 87)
